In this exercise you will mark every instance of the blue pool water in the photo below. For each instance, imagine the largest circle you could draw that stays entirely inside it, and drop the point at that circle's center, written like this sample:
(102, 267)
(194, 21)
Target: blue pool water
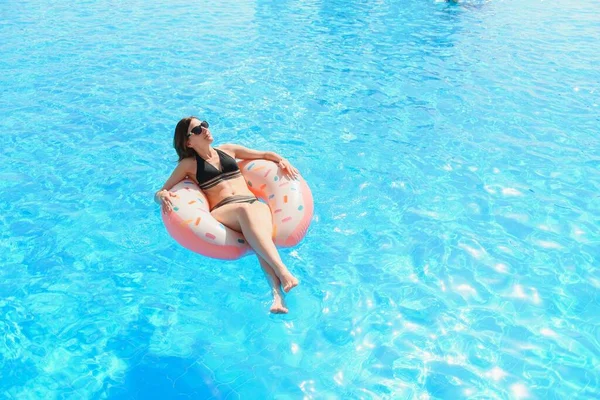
(454, 158)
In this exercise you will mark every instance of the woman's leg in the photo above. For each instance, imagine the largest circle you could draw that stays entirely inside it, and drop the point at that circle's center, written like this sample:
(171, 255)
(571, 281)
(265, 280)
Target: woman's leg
(257, 228)
(278, 306)
(254, 221)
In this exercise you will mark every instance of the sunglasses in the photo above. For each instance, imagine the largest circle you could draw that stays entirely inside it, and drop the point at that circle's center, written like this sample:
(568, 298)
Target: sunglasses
(198, 130)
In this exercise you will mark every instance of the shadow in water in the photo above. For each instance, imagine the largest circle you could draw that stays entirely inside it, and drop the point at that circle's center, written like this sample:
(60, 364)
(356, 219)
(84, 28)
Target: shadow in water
(169, 378)
(152, 376)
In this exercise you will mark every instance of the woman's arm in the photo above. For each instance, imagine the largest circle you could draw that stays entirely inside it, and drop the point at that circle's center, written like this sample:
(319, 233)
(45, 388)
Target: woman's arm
(181, 170)
(245, 153)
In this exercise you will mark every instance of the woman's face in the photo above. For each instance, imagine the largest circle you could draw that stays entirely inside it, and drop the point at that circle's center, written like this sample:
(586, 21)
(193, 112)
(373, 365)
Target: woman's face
(200, 134)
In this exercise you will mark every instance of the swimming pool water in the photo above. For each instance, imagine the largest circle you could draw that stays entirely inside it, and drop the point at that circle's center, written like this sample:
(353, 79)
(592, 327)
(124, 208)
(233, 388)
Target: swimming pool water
(453, 155)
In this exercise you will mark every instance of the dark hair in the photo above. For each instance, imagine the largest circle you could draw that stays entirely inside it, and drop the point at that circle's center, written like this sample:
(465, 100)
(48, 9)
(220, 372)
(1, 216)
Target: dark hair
(180, 138)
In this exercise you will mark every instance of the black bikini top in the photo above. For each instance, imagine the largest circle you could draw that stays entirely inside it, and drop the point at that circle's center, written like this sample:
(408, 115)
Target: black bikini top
(208, 176)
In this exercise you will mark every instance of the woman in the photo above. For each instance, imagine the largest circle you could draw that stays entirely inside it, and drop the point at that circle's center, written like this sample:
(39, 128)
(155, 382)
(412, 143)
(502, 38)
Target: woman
(216, 172)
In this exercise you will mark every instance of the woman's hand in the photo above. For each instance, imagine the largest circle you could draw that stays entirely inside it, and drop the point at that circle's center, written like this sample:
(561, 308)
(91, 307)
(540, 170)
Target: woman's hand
(165, 200)
(289, 171)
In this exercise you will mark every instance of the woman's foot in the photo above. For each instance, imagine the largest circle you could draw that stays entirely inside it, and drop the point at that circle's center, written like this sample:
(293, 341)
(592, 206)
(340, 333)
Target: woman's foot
(278, 306)
(288, 282)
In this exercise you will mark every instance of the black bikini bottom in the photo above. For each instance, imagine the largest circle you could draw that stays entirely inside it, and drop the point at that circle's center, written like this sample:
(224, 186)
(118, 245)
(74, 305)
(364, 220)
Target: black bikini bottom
(235, 199)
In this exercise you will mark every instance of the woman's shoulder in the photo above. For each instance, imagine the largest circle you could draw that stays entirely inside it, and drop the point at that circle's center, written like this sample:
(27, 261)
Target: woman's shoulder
(227, 148)
(188, 162)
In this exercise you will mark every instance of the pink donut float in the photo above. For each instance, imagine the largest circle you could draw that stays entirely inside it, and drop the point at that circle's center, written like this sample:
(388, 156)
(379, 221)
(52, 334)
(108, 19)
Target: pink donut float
(193, 227)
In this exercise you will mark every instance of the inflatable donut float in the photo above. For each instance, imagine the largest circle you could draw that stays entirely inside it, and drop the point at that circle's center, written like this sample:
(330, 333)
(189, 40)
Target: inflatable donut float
(192, 226)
